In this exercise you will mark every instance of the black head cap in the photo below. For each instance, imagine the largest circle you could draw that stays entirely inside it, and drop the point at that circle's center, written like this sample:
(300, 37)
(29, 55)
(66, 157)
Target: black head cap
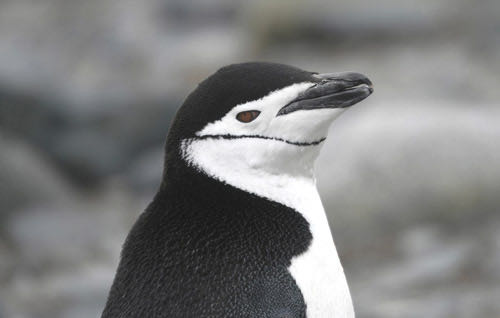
(229, 86)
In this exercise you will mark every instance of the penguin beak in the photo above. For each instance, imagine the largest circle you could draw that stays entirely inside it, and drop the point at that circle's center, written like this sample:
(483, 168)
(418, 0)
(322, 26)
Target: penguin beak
(333, 90)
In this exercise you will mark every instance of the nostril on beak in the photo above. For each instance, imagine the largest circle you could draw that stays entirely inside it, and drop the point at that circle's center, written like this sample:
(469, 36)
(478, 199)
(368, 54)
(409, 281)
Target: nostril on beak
(354, 77)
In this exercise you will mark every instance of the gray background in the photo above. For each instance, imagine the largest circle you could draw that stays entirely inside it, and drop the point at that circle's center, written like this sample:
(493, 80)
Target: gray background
(410, 177)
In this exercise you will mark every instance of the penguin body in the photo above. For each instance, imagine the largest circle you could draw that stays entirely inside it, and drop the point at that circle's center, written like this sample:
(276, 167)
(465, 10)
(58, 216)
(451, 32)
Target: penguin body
(237, 228)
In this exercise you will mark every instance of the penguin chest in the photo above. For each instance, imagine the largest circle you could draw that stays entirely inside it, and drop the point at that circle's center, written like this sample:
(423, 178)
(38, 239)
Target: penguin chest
(318, 271)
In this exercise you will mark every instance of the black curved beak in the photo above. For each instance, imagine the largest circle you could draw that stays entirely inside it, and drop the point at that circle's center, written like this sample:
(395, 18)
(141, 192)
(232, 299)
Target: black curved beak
(333, 90)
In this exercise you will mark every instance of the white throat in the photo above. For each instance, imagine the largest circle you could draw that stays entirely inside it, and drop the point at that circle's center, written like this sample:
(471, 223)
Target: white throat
(251, 164)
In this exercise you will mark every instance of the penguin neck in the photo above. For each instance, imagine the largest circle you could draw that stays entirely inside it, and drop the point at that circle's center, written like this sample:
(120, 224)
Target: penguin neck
(250, 165)
(245, 166)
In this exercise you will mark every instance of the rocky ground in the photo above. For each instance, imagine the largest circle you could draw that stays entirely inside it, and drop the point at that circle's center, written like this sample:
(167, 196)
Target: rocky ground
(410, 177)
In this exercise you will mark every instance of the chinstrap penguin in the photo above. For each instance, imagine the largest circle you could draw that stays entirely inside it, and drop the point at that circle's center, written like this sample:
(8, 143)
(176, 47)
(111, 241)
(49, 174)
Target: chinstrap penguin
(237, 228)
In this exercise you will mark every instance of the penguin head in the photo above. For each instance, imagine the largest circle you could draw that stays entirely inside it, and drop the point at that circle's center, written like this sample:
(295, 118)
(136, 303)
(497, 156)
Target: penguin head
(265, 117)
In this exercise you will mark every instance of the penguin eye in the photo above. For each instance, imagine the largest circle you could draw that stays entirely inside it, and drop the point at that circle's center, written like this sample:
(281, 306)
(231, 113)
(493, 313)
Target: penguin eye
(247, 116)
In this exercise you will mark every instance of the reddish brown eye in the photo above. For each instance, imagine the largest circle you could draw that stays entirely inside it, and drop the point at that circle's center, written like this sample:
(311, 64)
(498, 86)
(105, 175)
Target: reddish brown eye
(248, 116)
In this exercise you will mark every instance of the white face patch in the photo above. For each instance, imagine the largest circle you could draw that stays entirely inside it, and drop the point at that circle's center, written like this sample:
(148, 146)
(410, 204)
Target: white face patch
(281, 145)
(303, 126)
(273, 157)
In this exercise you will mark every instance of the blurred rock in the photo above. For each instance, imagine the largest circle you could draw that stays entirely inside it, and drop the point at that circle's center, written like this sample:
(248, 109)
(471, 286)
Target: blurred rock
(27, 177)
(92, 52)
(62, 294)
(108, 141)
(441, 278)
(90, 143)
(64, 256)
(145, 173)
(381, 153)
(350, 25)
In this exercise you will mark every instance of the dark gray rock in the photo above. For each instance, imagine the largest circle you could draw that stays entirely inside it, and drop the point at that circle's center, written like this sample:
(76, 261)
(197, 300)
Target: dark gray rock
(28, 178)
(87, 145)
(111, 139)
(145, 174)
